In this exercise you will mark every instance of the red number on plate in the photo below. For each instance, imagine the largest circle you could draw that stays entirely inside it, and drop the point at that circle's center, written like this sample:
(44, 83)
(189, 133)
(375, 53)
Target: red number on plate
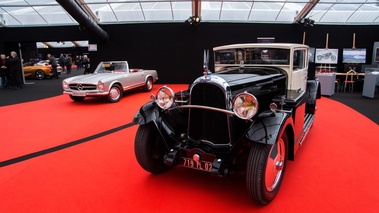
(205, 166)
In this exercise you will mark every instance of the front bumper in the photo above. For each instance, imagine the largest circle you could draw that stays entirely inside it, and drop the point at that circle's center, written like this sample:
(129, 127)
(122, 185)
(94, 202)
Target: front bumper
(85, 93)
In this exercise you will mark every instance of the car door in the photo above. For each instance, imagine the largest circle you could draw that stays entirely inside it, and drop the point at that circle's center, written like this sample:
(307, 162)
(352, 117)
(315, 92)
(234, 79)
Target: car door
(299, 70)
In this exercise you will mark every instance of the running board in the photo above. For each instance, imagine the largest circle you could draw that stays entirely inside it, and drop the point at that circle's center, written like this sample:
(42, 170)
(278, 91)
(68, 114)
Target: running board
(308, 122)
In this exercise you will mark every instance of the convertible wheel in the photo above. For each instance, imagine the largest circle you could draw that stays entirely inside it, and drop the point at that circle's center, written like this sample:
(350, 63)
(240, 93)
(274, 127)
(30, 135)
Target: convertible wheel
(149, 149)
(115, 93)
(148, 85)
(40, 74)
(76, 98)
(265, 170)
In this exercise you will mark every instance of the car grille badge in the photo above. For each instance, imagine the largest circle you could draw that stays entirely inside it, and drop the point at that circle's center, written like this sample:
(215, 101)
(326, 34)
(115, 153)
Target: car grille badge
(79, 87)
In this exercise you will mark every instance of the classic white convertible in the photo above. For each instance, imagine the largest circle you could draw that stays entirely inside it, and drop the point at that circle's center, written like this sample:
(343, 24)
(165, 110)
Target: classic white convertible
(110, 80)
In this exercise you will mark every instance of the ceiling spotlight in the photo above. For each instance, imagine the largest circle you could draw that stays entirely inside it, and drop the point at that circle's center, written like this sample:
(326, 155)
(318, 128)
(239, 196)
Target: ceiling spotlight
(305, 22)
(193, 20)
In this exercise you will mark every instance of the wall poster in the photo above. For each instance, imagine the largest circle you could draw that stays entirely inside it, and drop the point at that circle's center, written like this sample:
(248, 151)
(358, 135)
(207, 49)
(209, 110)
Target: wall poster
(326, 56)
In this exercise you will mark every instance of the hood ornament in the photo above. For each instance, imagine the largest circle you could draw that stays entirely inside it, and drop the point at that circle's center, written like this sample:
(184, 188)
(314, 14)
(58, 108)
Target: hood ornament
(206, 72)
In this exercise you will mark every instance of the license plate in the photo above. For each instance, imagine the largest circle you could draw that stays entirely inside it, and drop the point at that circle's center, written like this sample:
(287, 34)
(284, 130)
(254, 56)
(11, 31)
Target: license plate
(201, 165)
(79, 94)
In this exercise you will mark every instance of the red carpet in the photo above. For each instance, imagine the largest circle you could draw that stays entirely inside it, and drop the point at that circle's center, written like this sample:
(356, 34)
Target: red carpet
(335, 170)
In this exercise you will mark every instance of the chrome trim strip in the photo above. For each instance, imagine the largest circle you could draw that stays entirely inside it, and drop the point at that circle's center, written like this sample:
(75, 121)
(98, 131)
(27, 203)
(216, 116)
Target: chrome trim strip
(204, 107)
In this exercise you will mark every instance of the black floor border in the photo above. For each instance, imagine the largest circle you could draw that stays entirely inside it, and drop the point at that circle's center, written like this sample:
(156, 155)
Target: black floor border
(62, 146)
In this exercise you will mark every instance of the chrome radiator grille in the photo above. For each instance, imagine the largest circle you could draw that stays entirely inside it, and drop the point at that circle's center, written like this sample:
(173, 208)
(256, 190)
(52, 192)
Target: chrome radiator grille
(204, 124)
(82, 87)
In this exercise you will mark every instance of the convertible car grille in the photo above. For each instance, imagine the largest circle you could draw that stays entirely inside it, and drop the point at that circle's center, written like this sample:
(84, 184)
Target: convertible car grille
(82, 87)
(205, 124)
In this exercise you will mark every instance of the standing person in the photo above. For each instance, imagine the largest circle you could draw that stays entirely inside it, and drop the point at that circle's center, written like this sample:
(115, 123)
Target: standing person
(78, 62)
(61, 62)
(54, 65)
(86, 64)
(15, 70)
(4, 73)
(68, 63)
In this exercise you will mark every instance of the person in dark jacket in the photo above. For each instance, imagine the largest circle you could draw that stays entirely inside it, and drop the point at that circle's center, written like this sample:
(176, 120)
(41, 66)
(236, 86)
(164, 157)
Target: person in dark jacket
(15, 70)
(68, 63)
(61, 62)
(86, 64)
(54, 65)
(4, 71)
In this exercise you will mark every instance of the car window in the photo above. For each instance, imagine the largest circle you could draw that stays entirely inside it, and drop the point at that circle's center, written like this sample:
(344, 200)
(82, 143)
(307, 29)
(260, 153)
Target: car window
(298, 60)
(111, 67)
(257, 56)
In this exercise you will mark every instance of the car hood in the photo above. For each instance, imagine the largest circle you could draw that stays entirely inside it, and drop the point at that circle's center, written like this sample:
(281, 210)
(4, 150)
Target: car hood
(35, 68)
(238, 79)
(91, 78)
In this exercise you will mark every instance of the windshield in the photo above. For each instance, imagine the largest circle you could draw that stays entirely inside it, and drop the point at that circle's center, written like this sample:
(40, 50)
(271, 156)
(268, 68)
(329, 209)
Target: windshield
(252, 56)
(111, 67)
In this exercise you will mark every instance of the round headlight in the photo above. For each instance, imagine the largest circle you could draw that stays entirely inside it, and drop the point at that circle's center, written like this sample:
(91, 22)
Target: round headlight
(100, 85)
(65, 85)
(165, 97)
(245, 105)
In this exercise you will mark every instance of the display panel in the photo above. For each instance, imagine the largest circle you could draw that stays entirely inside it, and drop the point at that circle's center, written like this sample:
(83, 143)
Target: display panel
(357, 56)
(377, 54)
(326, 56)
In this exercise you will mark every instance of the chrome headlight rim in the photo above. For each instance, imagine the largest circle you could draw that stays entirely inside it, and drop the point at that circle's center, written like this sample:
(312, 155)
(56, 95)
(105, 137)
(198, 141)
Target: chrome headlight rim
(245, 105)
(165, 97)
(100, 86)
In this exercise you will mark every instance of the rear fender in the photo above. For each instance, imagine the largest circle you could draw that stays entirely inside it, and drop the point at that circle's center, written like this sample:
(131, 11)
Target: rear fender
(314, 88)
(314, 91)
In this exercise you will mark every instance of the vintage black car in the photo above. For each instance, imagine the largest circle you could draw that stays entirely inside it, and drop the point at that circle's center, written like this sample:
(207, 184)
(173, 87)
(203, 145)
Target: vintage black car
(251, 115)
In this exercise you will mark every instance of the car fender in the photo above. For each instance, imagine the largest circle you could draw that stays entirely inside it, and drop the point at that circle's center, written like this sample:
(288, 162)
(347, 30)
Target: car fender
(150, 112)
(314, 91)
(114, 83)
(146, 114)
(267, 128)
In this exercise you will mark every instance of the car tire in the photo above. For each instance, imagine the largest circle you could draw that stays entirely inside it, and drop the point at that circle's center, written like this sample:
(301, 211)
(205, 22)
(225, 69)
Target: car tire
(148, 85)
(76, 98)
(40, 74)
(115, 93)
(265, 169)
(150, 149)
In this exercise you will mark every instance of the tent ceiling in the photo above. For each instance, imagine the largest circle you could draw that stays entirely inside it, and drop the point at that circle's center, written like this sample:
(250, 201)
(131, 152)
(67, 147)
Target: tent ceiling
(27, 13)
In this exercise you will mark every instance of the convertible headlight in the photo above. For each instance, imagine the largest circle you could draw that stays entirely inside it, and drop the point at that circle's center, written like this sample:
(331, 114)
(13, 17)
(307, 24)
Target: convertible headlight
(100, 86)
(245, 105)
(165, 97)
(65, 85)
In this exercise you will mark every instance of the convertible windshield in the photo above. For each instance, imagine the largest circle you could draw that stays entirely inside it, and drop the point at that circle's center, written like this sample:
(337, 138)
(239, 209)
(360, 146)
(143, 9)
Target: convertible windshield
(111, 67)
(254, 56)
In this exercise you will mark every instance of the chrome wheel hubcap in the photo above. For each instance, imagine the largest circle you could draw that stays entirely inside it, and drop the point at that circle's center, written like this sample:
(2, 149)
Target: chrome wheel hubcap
(275, 165)
(114, 93)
